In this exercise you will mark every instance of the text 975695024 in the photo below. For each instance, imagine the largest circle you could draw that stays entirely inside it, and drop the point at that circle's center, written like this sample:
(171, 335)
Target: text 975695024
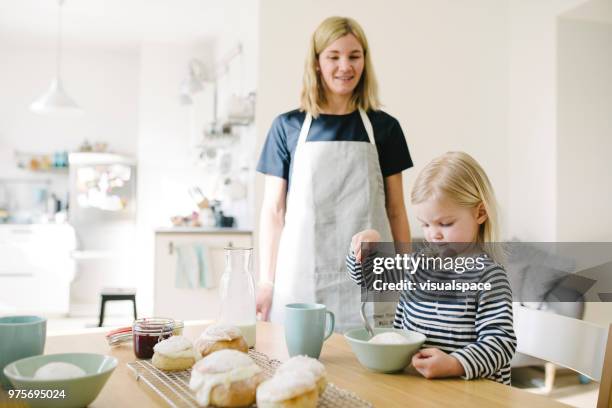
(36, 394)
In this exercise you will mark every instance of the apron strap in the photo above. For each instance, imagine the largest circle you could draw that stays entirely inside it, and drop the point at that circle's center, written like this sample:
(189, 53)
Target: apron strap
(301, 141)
(304, 130)
(308, 121)
(368, 126)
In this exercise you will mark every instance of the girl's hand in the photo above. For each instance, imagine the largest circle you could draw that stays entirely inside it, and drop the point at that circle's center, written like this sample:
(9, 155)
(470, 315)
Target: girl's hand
(434, 363)
(264, 300)
(368, 235)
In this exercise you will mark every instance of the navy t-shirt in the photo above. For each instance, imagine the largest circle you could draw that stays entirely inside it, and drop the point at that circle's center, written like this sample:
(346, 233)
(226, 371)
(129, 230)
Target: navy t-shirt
(278, 151)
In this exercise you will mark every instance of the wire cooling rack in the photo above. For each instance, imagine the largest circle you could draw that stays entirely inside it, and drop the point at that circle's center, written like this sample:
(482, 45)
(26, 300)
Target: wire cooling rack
(173, 387)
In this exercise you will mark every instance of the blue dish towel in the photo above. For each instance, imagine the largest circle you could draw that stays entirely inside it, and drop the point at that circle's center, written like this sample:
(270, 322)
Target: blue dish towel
(193, 267)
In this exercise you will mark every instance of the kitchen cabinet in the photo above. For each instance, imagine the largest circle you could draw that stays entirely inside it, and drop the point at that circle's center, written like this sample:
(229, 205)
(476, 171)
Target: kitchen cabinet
(187, 303)
(36, 268)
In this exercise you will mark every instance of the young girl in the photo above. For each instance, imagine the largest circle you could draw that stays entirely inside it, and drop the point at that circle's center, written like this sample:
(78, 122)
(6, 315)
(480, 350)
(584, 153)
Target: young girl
(473, 337)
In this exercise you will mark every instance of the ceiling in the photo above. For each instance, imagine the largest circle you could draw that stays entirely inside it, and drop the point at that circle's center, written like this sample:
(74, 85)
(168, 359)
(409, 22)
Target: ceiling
(124, 22)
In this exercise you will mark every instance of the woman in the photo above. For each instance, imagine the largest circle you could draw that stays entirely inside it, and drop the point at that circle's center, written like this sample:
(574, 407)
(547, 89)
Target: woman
(325, 165)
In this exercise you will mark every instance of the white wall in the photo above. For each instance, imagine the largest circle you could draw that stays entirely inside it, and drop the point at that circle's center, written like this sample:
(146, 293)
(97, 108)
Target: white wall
(240, 80)
(584, 190)
(164, 160)
(102, 80)
(441, 66)
(532, 115)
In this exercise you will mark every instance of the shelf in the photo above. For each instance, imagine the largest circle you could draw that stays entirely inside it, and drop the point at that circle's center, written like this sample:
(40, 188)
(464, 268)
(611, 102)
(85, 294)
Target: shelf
(50, 170)
(42, 162)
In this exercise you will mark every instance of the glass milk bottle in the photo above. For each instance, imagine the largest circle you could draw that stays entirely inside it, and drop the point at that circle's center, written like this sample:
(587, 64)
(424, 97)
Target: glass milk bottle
(237, 293)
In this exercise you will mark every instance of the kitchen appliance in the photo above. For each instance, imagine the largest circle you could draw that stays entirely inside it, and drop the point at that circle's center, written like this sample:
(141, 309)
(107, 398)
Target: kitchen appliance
(102, 188)
(103, 213)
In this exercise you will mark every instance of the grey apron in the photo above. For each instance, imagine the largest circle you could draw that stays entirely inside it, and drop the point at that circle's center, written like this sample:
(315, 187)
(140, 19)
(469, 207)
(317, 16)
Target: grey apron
(336, 191)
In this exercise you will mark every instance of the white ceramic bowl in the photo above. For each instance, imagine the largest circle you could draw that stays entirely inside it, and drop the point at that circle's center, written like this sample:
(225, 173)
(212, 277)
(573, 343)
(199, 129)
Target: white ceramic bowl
(385, 358)
(65, 393)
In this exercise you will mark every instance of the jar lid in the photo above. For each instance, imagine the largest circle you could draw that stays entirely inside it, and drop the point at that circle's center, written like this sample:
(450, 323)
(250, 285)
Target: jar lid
(154, 325)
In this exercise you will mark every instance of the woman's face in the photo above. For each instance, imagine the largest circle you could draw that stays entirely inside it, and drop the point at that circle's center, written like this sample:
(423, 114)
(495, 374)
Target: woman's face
(341, 65)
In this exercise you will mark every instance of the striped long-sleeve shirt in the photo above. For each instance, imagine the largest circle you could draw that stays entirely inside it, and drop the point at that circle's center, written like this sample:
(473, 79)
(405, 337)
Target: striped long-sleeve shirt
(477, 329)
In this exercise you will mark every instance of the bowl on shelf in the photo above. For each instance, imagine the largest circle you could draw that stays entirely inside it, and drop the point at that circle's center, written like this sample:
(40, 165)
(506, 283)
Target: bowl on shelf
(68, 392)
(384, 358)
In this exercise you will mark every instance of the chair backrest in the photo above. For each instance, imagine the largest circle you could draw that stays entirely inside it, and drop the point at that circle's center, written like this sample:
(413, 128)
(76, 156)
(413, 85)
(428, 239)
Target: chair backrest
(604, 399)
(562, 340)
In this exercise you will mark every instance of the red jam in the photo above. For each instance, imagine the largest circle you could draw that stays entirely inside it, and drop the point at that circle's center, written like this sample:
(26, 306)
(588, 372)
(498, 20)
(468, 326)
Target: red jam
(148, 332)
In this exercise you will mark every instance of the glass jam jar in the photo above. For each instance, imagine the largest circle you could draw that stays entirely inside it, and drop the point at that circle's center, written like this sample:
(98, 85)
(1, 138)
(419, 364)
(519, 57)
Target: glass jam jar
(179, 325)
(150, 331)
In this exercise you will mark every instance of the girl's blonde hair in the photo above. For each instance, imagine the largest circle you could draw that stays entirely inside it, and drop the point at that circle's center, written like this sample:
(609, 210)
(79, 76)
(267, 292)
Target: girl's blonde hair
(365, 95)
(457, 176)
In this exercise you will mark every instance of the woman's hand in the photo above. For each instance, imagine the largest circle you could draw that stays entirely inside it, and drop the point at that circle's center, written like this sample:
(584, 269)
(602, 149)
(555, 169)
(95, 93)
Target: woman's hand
(434, 363)
(368, 235)
(264, 300)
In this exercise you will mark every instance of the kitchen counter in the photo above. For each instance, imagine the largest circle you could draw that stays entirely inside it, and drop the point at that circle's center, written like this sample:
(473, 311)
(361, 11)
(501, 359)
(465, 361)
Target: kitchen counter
(202, 230)
(382, 390)
(34, 225)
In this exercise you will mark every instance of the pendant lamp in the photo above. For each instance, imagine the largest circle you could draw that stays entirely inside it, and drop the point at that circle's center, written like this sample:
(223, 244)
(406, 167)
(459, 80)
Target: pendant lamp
(56, 100)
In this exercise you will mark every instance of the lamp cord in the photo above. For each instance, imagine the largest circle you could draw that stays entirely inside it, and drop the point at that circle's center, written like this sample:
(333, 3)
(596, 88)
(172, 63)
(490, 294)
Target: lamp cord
(59, 37)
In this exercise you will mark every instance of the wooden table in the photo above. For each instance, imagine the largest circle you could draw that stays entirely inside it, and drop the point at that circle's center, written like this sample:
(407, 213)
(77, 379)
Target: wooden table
(343, 369)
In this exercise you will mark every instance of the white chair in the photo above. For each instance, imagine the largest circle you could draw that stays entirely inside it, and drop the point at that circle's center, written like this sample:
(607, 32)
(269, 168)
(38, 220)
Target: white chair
(572, 343)
(605, 386)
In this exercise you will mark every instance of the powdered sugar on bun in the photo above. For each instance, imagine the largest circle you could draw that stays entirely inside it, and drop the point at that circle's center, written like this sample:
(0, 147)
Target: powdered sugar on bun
(298, 363)
(220, 332)
(174, 347)
(285, 386)
(222, 367)
(222, 361)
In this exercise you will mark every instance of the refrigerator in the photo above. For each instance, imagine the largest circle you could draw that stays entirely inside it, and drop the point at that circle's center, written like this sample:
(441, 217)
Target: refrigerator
(102, 210)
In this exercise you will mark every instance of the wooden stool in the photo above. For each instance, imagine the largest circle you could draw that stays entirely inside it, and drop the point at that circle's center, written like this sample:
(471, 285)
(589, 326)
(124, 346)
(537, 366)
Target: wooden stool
(111, 294)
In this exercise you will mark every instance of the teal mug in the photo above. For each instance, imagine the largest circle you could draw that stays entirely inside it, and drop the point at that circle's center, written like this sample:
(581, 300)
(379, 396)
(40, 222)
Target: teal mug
(20, 337)
(306, 328)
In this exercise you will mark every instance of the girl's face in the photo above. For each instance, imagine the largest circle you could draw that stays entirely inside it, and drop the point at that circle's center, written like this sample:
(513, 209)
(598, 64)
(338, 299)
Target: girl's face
(443, 221)
(341, 65)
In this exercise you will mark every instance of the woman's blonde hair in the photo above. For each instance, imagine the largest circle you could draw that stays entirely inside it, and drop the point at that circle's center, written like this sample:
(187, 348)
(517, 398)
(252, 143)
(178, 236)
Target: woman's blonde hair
(365, 95)
(457, 176)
